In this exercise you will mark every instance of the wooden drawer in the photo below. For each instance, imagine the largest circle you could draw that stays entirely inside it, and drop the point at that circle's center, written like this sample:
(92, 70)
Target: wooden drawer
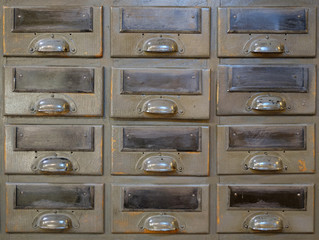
(271, 148)
(265, 208)
(160, 93)
(166, 209)
(160, 32)
(53, 149)
(267, 31)
(266, 89)
(53, 91)
(59, 31)
(160, 150)
(55, 208)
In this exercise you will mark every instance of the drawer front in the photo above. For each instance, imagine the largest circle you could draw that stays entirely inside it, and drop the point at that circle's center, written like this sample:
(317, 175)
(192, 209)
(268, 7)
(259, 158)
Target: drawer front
(266, 89)
(160, 150)
(256, 208)
(53, 31)
(160, 32)
(54, 208)
(261, 149)
(160, 209)
(160, 93)
(54, 91)
(267, 32)
(53, 149)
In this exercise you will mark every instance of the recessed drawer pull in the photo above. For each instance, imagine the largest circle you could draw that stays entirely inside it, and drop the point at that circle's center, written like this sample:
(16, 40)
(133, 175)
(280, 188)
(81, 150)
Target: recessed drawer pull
(161, 223)
(266, 46)
(51, 45)
(55, 165)
(159, 164)
(265, 163)
(54, 222)
(266, 222)
(160, 106)
(160, 45)
(52, 106)
(268, 103)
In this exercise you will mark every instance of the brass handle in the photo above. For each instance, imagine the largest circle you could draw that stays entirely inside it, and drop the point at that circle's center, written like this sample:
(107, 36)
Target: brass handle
(160, 45)
(51, 45)
(55, 165)
(54, 222)
(161, 223)
(159, 164)
(265, 163)
(160, 106)
(266, 222)
(268, 103)
(266, 46)
(52, 106)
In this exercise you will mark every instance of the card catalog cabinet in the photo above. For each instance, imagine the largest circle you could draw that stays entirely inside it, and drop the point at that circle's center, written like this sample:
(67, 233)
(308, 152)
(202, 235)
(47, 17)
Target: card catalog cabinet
(159, 119)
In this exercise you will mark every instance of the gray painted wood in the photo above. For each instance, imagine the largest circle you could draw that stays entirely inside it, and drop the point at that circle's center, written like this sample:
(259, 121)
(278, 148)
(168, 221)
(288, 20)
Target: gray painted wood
(259, 197)
(161, 20)
(54, 197)
(161, 198)
(54, 19)
(54, 138)
(268, 78)
(161, 139)
(290, 20)
(54, 79)
(159, 81)
(267, 138)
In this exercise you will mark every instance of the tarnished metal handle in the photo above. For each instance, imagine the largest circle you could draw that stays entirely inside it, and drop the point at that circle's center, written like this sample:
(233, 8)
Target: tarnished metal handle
(160, 45)
(266, 222)
(266, 46)
(51, 45)
(52, 106)
(268, 103)
(159, 164)
(54, 222)
(160, 106)
(265, 163)
(161, 223)
(55, 165)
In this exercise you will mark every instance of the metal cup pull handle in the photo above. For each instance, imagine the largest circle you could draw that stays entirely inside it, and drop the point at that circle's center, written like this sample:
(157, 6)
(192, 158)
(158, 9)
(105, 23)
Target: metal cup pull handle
(160, 106)
(266, 222)
(159, 164)
(266, 46)
(265, 163)
(48, 45)
(160, 45)
(55, 165)
(268, 103)
(161, 223)
(52, 106)
(54, 222)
